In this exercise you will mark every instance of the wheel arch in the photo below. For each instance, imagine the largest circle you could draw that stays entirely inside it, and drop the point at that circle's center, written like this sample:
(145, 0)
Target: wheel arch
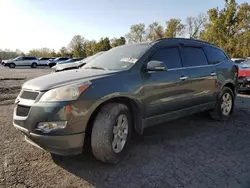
(231, 86)
(133, 104)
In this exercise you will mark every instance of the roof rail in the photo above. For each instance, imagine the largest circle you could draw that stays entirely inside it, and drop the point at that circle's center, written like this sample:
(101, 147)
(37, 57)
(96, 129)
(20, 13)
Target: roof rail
(182, 39)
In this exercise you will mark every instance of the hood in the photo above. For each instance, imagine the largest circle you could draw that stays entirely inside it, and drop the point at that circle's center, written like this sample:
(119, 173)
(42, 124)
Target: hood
(244, 72)
(64, 66)
(64, 78)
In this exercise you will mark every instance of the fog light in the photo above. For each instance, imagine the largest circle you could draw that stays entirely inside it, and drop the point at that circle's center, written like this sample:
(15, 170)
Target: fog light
(47, 127)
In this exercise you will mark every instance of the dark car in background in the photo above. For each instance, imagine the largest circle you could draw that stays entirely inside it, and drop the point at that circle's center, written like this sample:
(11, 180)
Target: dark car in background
(125, 90)
(76, 65)
(53, 62)
(71, 60)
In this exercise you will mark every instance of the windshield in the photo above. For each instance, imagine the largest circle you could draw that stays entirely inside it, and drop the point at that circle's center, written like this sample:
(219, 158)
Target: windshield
(88, 59)
(119, 58)
(67, 61)
(245, 63)
(17, 58)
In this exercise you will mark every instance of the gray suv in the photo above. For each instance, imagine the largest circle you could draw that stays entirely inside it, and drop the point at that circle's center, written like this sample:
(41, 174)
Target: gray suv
(125, 90)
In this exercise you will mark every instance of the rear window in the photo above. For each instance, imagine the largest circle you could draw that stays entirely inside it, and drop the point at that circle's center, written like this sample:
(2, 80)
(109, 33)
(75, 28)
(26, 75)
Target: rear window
(215, 55)
(194, 56)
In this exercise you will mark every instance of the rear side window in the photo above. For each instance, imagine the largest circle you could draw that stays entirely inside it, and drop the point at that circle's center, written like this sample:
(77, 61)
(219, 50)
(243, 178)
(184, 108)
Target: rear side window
(215, 55)
(64, 58)
(44, 58)
(170, 56)
(194, 56)
(29, 58)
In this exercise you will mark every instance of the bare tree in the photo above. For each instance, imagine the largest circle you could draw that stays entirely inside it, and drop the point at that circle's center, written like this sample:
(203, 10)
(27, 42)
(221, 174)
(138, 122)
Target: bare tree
(194, 25)
(155, 31)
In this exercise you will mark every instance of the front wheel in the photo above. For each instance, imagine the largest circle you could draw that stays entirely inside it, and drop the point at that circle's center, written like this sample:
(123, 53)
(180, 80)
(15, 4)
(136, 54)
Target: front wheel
(12, 65)
(34, 65)
(111, 133)
(224, 106)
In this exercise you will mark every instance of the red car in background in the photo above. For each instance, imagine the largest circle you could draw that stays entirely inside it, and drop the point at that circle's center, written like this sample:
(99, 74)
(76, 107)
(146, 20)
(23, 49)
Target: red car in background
(244, 75)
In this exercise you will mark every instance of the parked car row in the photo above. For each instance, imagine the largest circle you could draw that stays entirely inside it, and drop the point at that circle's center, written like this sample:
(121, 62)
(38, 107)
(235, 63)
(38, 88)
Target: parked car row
(75, 64)
(33, 62)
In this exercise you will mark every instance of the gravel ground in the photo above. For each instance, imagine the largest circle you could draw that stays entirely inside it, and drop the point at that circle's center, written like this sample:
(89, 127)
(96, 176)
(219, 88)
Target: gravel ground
(190, 152)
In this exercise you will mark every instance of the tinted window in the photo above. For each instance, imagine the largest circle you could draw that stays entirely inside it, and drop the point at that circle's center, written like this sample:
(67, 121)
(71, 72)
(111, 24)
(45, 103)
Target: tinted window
(44, 58)
(29, 58)
(170, 56)
(64, 58)
(215, 55)
(194, 57)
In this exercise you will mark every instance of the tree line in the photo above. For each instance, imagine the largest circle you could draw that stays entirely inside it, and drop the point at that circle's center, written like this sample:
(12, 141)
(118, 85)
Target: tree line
(228, 28)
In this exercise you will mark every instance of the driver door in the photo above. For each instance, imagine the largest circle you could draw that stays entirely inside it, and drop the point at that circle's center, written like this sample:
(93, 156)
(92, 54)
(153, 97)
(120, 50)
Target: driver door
(165, 91)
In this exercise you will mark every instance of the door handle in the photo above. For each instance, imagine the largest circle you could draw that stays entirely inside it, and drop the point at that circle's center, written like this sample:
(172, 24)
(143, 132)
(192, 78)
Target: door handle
(183, 78)
(213, 74)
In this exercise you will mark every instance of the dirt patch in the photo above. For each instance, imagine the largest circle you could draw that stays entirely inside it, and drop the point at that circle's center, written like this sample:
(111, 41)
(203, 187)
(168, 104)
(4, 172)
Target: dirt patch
(7, 90)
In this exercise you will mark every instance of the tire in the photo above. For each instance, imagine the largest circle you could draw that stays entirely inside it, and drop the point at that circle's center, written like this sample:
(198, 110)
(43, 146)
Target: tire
(102, 137)
(34, 65)
(217, 113)
(12, 65)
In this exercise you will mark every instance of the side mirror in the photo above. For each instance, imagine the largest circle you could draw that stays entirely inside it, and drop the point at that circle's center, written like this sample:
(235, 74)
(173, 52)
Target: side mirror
(156, 66)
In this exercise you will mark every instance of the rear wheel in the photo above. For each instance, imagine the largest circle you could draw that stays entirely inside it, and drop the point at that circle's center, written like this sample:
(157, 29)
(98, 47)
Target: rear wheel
(12, 65)
(224, 106)
(111, 133)
(34, 65)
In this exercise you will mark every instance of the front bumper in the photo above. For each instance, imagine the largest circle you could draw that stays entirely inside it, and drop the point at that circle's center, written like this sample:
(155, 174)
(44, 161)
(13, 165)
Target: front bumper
(67, 141)
(244, 84)
(60, 145)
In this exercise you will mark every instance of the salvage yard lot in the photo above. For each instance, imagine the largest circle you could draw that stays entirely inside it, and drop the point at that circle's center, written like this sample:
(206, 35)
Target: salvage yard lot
(190, 152)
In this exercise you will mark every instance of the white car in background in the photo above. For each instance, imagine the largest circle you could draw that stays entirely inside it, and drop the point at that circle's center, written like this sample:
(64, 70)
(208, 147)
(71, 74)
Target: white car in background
(23, 61)
(43, 61)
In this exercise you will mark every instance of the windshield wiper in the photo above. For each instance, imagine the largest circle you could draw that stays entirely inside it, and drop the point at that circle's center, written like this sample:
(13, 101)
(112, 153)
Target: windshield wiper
(100, 68)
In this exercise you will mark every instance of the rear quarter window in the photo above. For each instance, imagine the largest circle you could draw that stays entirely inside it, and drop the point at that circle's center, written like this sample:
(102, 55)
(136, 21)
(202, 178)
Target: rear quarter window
(194, 56)
(215, 55)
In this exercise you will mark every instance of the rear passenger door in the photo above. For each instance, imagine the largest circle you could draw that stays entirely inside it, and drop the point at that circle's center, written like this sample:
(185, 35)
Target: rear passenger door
(165, 91)
(201, 75)
(26, 61)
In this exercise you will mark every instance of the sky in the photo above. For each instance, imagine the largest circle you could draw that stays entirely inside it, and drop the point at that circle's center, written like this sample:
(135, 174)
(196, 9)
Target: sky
(29, 24)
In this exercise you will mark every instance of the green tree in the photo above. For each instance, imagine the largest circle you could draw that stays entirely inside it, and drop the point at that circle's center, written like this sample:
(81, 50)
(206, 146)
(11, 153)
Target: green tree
(41, 52)
(174, 28)
(90, 47)
(103, 45)
(136, 34)
(225, 27)
(76, 46)
(118, 42)
(155, 31)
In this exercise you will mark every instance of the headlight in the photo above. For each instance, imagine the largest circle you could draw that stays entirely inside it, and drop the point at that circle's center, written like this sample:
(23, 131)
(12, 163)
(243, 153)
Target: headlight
(248, 78)
(66, 93)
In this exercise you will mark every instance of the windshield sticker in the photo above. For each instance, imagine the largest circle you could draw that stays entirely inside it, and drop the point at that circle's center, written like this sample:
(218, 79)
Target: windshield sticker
(129, 60)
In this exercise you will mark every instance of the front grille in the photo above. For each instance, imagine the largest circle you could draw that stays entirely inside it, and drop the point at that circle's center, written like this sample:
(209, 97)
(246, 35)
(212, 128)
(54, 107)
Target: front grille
(22, 111)
(31, 95)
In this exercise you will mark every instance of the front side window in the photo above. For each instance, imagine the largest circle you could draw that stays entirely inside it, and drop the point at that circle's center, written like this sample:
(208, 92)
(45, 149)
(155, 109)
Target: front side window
(215, 55)
(194, 56)
(170, 56)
